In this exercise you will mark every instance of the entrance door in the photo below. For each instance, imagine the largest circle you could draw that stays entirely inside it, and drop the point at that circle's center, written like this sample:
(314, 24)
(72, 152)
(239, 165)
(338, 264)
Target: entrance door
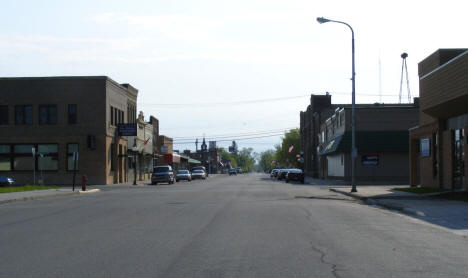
(458, 159)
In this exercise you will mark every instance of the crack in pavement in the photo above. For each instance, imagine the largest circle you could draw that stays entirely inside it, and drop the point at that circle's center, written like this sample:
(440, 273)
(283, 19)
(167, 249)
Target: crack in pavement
(322, 259)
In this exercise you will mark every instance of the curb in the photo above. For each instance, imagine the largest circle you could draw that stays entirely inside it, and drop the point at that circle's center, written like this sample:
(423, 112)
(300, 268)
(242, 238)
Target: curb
(37, 197)
(378, 202)
(48, 196)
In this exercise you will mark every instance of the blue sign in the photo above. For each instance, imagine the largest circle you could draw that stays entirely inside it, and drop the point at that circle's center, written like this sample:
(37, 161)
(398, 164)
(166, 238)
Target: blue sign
(127, 129)
(370, 160)
(425, 147)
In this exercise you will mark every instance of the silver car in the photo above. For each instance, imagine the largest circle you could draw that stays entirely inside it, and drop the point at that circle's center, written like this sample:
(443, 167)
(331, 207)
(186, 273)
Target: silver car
(183, 175)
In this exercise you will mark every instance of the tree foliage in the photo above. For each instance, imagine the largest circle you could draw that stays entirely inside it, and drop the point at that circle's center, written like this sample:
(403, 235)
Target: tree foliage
(280, 155)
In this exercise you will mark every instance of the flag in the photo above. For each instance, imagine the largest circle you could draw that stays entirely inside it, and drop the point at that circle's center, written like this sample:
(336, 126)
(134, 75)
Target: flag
(291, 148)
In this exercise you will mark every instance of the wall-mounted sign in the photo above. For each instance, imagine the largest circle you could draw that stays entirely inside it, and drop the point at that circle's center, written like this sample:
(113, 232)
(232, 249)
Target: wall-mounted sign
(370, 160)
(127, 129)
(164, 149)
(425, 147)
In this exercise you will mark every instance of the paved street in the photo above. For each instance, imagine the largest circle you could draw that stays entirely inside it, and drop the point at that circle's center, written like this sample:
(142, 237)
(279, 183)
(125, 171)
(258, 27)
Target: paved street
(225, 226)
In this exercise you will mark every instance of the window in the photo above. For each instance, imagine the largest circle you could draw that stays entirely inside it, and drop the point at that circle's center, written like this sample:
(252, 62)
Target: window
(5, 158)
(3, 114)
(23, 114)
(112, 156)
(47, 114)
(71, 148)
(112, 115)
(47, 158)
(72, 114)
(435, 163)
(22, 157)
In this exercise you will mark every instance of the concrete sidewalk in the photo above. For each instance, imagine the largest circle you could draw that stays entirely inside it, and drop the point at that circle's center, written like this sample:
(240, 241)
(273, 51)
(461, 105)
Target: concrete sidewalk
(41, 194)
(452, 215)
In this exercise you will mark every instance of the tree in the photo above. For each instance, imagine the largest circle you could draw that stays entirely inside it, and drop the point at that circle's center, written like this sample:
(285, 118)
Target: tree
(291, 138)
(245, 159)
(266, 159)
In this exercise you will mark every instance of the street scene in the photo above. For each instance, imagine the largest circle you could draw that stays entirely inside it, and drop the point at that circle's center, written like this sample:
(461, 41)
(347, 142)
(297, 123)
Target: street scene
(229, 226)
(247, 138)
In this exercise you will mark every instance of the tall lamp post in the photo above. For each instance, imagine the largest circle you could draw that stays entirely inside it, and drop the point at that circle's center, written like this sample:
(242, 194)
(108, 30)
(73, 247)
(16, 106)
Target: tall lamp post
(135, 150)
(322, 20)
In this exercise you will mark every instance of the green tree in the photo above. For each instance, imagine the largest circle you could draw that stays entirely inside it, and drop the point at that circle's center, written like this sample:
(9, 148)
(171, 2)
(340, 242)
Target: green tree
(245, 159)
(266, 160)
(282, 154)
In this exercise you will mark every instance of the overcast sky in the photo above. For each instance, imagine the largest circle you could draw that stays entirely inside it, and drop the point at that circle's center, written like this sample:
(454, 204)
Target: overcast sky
(216, 59)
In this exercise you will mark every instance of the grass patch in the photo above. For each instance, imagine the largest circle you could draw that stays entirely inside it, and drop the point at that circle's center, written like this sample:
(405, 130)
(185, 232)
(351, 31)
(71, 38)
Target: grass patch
(28, 187)
(419, 190)
(454, 196)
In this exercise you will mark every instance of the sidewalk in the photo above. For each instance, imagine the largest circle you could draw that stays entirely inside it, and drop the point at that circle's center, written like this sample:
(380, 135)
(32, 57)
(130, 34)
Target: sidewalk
(41, 194)
(449, 214)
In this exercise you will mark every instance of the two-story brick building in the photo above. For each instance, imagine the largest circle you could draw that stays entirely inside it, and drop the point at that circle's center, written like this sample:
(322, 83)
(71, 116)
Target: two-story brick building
(57, 116)
(438, 145)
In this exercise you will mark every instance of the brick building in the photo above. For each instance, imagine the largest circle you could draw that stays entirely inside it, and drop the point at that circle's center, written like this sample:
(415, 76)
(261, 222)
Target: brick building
(381, 140)
(58, 116)
(438, 146)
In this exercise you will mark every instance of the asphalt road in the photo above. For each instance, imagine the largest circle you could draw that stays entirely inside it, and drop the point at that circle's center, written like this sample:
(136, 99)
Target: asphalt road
(238, 226)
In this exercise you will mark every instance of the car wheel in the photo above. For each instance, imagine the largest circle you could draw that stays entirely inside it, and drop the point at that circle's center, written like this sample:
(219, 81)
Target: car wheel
(177, 180)
(155, 183)
(286, 181)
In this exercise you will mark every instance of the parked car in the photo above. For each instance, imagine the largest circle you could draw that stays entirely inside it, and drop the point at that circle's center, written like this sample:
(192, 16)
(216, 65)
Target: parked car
(198, 174)
(282, 174)
(232, 171)
(239, 170)
(162, 174)
(273, 173)
(7, 181)
(295, 175)
(200, 168)
(183, 175)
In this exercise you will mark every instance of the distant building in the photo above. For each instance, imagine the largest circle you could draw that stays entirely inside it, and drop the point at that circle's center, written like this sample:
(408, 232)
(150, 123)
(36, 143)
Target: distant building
(381, 140)
(438, 145)
(58, 116)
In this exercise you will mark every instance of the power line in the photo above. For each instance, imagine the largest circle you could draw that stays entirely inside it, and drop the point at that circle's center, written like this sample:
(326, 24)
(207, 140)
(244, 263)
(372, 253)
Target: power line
(225, 103)
(236, 134)
(237, 139)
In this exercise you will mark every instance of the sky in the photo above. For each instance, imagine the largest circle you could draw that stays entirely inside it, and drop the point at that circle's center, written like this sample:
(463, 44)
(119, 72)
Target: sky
(230, 69)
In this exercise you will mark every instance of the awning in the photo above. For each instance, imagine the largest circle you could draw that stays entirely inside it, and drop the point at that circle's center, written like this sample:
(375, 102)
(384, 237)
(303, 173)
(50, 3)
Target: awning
(194, 161)
(368, 141)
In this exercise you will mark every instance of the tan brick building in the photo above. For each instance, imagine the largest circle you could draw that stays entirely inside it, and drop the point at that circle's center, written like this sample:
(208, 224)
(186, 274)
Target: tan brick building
(58, 116)
(438, 146)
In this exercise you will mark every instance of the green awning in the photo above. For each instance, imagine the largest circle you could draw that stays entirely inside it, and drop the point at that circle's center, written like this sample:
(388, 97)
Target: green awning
(193, 161)
(368, 141)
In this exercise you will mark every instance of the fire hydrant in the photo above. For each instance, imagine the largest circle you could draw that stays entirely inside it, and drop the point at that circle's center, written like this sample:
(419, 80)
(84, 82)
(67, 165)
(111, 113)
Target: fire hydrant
(84, 180)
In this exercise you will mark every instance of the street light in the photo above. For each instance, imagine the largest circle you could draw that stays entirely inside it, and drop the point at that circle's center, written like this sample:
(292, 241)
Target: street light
(322, 20)
(135, 150)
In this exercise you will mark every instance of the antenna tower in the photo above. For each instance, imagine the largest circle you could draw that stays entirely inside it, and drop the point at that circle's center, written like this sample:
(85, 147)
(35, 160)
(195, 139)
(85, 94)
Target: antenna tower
(404, 68)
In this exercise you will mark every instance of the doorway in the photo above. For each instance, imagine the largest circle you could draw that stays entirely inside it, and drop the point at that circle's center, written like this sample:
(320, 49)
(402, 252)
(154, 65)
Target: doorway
(458, 158)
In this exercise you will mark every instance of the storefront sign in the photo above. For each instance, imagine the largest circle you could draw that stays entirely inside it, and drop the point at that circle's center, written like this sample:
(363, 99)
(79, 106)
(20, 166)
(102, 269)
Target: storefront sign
(370, 160)
(127, 129)
(425, 147)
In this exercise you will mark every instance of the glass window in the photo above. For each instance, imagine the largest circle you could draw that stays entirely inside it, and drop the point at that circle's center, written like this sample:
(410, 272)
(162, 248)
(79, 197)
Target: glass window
(71, 148)
(48, 114)
(47, 148)
(112, 115)
(23, 149)
(3, 114)
(45, 162)
(23, 163)
(23, 114)
(72, 114)
(5, 164)
(4, 148)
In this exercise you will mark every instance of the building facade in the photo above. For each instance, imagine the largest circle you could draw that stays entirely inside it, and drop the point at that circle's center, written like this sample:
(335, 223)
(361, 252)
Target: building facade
(381, 140)
(438, 145)
(59, 116)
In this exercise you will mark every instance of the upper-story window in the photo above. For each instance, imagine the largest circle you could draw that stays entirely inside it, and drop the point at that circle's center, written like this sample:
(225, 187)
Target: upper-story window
(116, 116)
(23, 114)
(3, 114)
(47, 114)
(72, 114)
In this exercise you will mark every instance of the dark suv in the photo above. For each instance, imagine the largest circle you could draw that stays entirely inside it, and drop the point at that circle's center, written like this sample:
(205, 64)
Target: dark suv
(162, 174)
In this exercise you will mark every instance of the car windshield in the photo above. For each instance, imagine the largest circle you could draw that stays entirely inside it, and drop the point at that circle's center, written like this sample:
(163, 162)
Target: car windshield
(198, 171)
(161, 169)
(183, 172)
